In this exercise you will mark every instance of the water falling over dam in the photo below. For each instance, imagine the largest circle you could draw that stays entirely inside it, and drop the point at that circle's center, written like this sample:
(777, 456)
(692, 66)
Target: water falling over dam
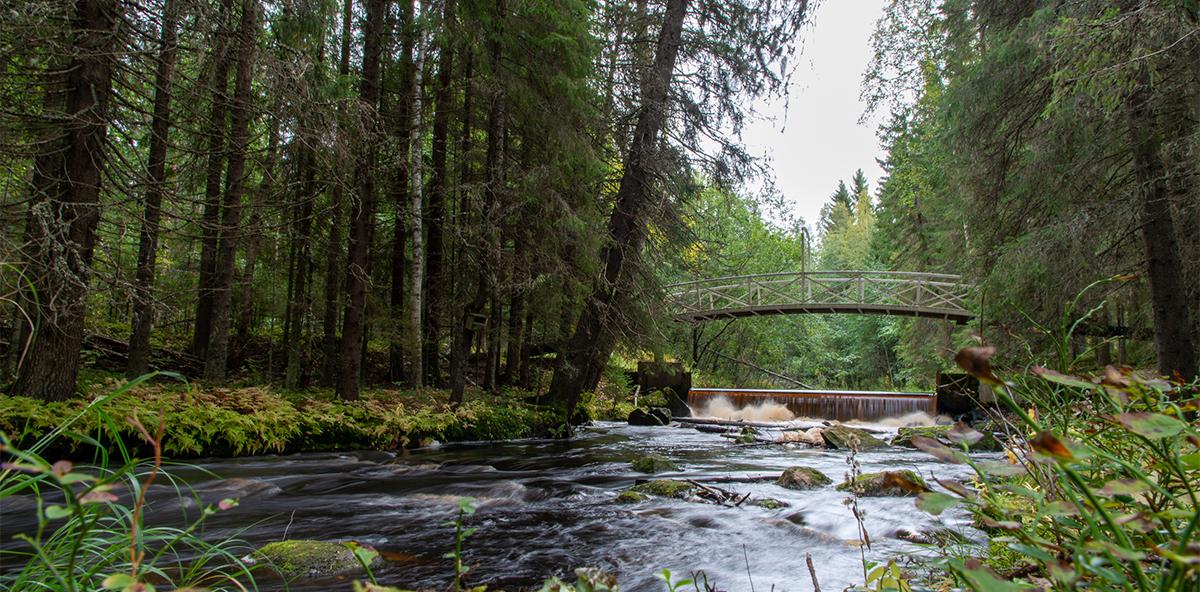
(823, 404)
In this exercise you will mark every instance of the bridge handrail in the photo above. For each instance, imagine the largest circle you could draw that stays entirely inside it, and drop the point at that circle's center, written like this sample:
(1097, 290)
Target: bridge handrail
(913, 293)
(952, 279)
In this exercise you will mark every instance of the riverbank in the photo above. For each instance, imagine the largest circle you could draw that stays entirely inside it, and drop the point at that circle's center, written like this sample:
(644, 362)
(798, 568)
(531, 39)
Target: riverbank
(207, 420)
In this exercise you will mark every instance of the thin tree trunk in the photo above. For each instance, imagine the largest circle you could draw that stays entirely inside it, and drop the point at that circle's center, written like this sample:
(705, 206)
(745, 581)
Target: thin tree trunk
(1168, 296)
(526, 374)
(138, 362)
(298, 302)
(400, 191)
(253, 245)
(592, 342)
(210, 219)
(416, 228)
(435, 288)
(333, 248)
(217, 355)
(362, 214)
(65, 212)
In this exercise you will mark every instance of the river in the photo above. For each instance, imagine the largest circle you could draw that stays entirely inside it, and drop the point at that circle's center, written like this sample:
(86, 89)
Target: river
(545, 507)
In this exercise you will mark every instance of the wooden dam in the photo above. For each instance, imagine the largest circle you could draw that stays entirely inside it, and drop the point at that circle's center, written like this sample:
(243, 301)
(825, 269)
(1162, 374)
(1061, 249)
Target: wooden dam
(823, 404)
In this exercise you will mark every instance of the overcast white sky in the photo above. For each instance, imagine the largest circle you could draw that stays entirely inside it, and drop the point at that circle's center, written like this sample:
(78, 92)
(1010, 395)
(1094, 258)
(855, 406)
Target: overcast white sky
(817, 140)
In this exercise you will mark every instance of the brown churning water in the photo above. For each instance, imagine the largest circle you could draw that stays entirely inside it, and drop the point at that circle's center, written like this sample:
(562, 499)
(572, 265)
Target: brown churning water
(839, 405)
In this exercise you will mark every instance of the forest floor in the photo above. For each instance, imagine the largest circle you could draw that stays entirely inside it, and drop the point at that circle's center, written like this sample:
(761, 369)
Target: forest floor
(236, 419)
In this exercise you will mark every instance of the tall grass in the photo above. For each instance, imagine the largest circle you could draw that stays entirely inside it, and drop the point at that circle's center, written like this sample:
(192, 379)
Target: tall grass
(90, 528)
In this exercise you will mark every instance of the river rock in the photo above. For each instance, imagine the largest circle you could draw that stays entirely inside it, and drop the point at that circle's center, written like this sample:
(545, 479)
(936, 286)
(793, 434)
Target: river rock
(655, 416)
(941, 537)
(886, 484)
(811, 437)
(769, 503)
(802, 478)
(666, 488)
(654, 463)
(843, 438)
(905, 435)
(305, 558)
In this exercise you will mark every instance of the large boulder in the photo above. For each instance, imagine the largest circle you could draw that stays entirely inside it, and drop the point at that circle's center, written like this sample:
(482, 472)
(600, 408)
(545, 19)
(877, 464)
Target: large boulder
(655, 416)
(802, 478)
(844, 438)
(886, 484)
(653, 463)
(314, 559)
(666, 488)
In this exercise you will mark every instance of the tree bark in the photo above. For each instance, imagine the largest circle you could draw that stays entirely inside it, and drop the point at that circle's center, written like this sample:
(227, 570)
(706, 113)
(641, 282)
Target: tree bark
(591, 344)
(333, 247)
(362, 213)
(66, 206)
(436, 205)
(210, 219)
(138, 362)
(298, 303)
(253, 245)
(1173, 345)
(400, 192)
(217, 354)
(416, 229)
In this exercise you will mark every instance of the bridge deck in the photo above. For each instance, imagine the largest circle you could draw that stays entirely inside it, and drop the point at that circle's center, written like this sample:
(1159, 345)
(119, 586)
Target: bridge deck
(913, 294)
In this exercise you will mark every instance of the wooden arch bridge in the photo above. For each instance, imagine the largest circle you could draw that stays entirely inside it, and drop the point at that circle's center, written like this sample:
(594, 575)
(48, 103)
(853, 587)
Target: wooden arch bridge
(902, 293)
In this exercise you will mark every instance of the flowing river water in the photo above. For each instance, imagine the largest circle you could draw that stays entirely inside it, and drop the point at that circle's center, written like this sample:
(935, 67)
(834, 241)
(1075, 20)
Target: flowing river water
(546, 507)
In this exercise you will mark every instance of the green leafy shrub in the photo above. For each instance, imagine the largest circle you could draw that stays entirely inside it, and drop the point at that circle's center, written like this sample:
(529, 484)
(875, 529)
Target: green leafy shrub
(1106, 483)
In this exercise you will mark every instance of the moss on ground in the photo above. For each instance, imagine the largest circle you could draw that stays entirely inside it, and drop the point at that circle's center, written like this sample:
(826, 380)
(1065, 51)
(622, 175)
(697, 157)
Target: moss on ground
(205, 420)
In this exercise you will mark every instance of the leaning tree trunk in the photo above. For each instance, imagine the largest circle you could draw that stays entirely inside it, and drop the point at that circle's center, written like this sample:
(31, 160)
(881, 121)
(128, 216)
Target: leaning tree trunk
(1168, 294)
(66, 206)
(217, 354)
(143, 308)
(435, 281)
(362, 214)
(591, 344)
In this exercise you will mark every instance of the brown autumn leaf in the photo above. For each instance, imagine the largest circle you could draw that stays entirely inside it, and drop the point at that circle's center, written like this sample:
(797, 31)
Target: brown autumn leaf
(975, 361)
(956, 487)
(938, 450)
(1049, 445)
(1114, 378)
(903, 481)
(61, 468)
(962, 432)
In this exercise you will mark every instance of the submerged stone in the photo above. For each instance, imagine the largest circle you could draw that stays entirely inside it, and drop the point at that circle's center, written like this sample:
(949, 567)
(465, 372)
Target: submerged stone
(886, 484)
(845, 438)
(802, 478)
(631, 497)
(306, 558)
(653, 463)
(769, 503)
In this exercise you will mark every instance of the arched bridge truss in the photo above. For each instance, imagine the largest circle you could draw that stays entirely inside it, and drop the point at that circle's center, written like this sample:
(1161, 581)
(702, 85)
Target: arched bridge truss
(902, 293)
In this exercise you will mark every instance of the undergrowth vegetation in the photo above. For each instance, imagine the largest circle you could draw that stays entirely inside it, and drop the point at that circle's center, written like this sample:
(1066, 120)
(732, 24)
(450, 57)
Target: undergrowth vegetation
(1100, 491)
(204, 421)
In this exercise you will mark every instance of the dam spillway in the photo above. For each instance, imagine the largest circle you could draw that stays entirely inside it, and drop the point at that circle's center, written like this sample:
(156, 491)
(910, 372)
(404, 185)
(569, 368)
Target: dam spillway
(823, 404)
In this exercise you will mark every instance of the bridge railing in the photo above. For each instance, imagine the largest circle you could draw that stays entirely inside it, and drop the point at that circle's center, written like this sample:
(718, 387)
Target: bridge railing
(883, 292)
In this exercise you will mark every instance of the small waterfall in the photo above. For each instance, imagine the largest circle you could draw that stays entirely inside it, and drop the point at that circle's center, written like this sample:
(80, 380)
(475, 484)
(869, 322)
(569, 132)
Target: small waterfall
(837, 405)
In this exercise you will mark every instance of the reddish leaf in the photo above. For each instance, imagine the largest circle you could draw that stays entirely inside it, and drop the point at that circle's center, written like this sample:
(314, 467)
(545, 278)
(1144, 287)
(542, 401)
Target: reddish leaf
(962, 432)
(956, 487)
(1151, 425)
(974, 360)
(61, 468)
(1046, 443)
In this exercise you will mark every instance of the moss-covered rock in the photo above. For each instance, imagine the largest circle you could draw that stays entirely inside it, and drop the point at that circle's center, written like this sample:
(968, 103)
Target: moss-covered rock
(886, 484)
(769, 503)
(905, 435)
(666, 488)
(802, 478)
(845, 438)
(630, 496)
(655, 416)
(305, 558)
(653, 463)
(748, 435)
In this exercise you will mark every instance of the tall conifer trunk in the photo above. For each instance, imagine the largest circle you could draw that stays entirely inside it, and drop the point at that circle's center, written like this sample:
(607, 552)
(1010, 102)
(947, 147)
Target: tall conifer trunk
(65, 208)
(591, 344)
(362, 213)
(400, 191)
(138, 361)
(435, 281)
(217, 355)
